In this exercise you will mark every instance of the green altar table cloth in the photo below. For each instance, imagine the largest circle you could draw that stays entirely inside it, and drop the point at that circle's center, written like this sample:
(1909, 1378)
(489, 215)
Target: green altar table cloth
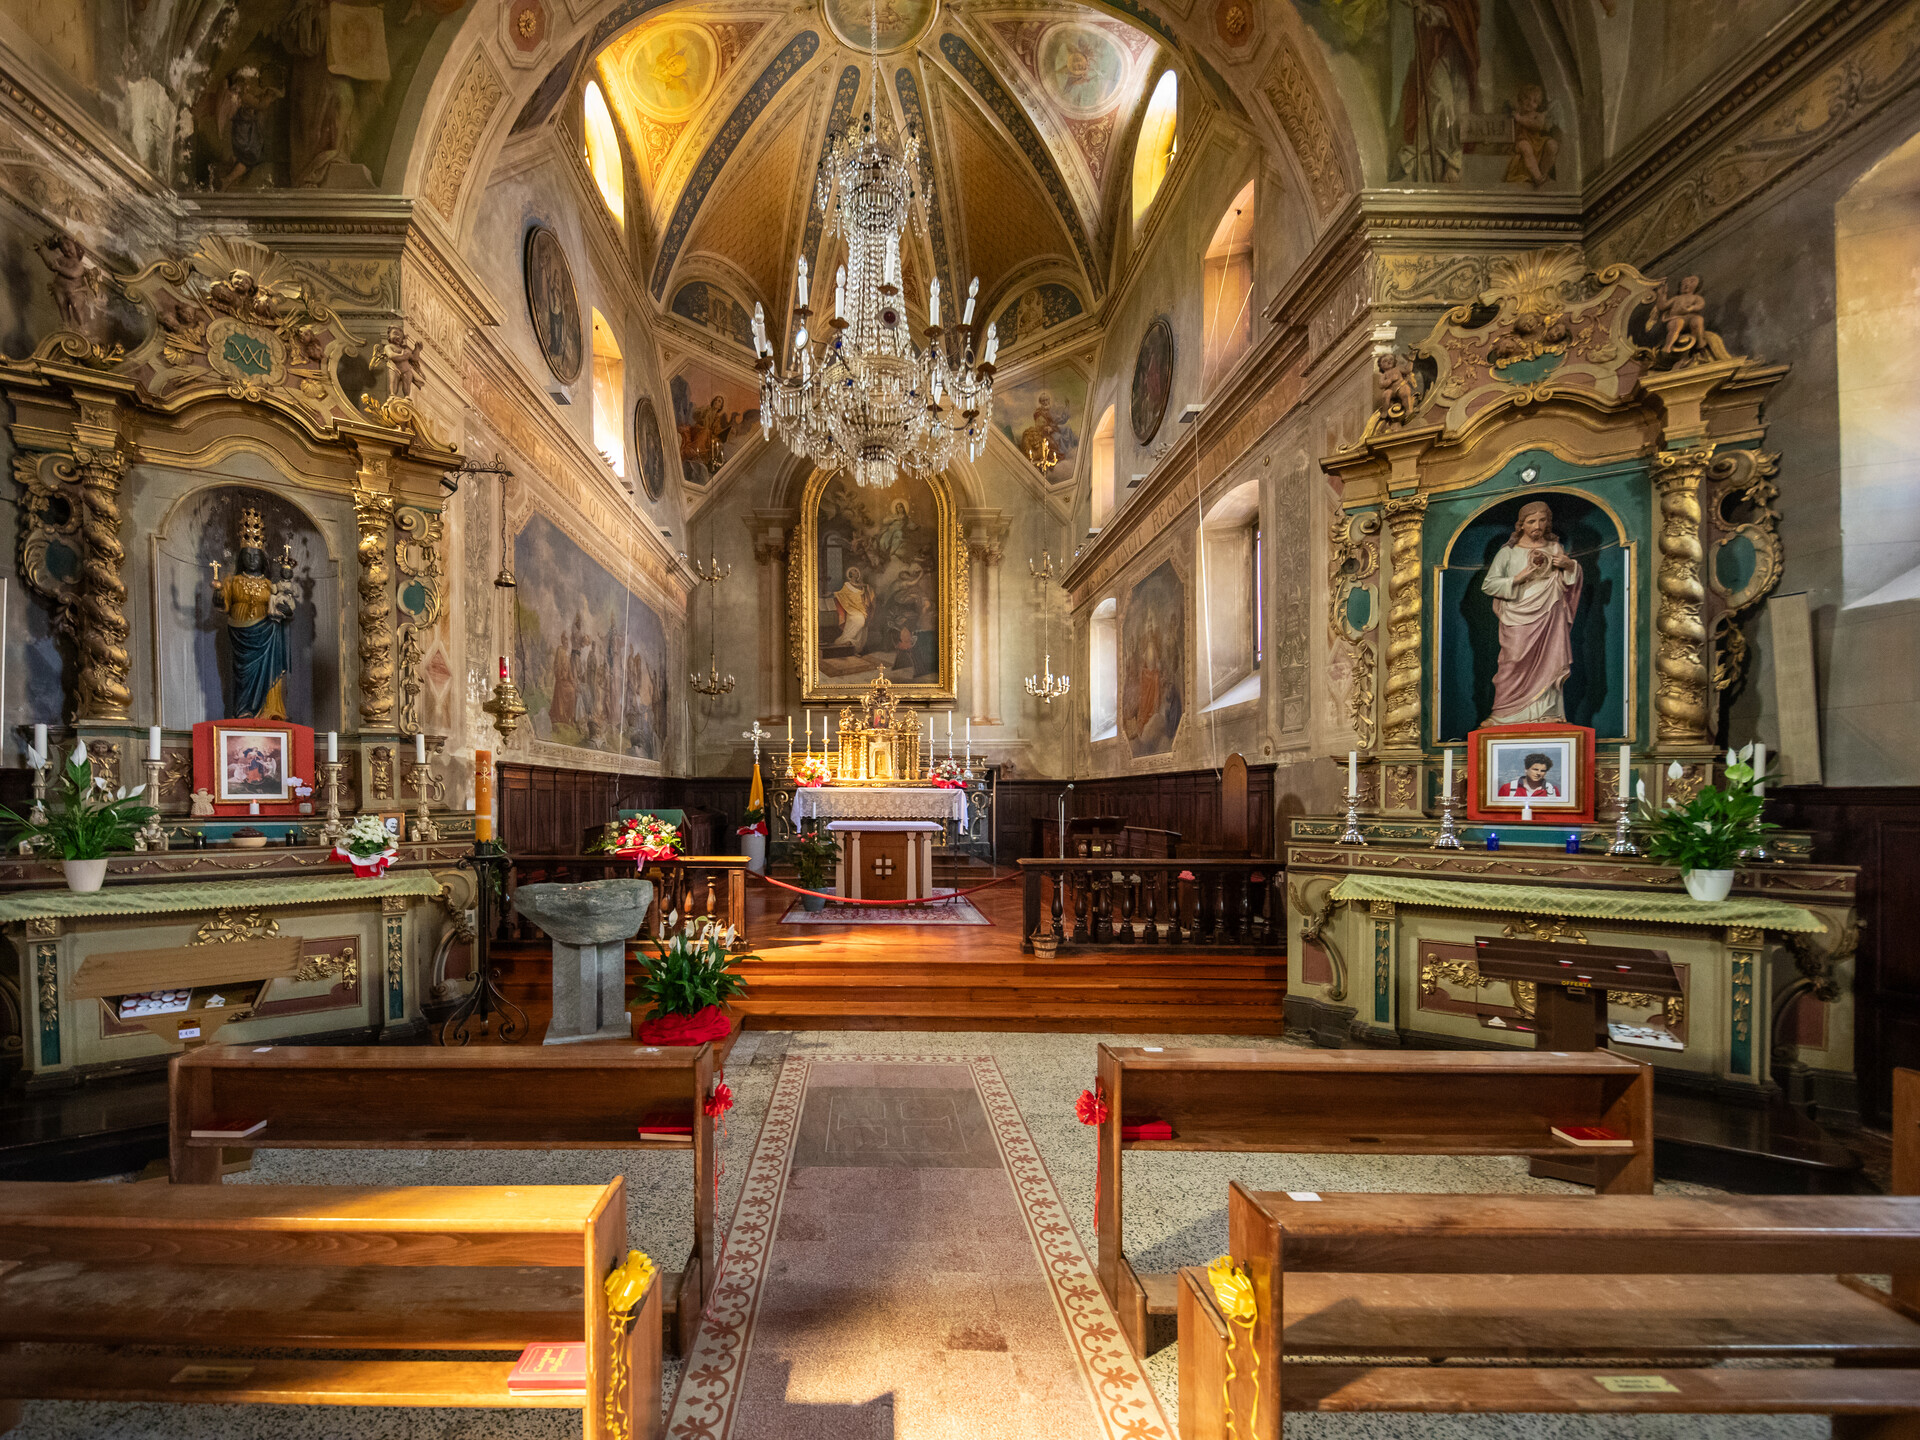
(1678, 909)
(207, 895)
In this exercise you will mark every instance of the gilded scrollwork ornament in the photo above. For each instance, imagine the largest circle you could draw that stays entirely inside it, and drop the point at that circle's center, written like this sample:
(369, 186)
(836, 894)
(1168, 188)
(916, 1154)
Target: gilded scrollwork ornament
(1746, 531)
(422, 599)
(1353, 563)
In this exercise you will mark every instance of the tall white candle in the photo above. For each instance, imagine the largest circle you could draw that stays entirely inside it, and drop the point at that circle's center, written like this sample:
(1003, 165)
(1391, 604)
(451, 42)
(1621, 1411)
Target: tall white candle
(40, 744)
(1626, 771)
(1446, 785)
(969, 735)
(1759, 768)
(333, 747)
(1353, 774)
(809, 732)
(419, 749)
(253, 807)
(789, 732)
(153, 742)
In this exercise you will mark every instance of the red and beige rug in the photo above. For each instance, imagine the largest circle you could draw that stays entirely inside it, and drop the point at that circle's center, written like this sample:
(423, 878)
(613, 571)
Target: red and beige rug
(900, 1267)
(935, 911)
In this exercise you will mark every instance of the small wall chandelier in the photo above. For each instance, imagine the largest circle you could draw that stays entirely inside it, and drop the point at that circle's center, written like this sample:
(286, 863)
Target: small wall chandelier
(866, 399)
(1046, 685)
(712, 683)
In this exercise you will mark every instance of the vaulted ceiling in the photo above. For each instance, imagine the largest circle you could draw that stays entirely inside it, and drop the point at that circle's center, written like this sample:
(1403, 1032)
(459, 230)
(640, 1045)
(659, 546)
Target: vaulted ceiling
(1023, 111)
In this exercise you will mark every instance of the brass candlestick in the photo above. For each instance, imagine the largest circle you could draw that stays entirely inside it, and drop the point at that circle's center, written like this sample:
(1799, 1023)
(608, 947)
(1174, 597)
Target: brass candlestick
(153, 835)
(333, 831)
(424, 830)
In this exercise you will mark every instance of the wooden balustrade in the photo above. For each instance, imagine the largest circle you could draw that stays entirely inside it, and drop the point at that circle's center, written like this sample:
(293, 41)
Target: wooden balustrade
(1163, 903)
(691, 886)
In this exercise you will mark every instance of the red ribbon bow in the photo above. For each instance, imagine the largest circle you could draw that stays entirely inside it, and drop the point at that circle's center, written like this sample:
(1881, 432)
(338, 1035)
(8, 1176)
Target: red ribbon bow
(719, 1102)
(1091, 1108)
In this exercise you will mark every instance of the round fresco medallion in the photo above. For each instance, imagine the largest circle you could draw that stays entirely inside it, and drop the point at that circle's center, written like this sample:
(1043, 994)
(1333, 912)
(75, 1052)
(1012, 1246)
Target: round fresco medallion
(1081, 67)
(1152, 380)
(646, 444)
(901, 22)
(552, 305)
(671, 69)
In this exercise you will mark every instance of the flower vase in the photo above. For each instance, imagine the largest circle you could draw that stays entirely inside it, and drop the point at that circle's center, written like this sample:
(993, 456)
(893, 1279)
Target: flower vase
(755, 848)
(813, 903)
(711, 1023)
(1710, 886)
(85, 876)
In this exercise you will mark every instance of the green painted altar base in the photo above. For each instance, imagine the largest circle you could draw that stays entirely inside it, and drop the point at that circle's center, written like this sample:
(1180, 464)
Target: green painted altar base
(207, 895)
(1653, 906)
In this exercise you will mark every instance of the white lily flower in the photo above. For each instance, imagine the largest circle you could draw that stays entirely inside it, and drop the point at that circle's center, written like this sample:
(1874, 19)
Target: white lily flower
(133, 794)
(1640, 790)
(1674, 772)
(79, 756)
(1746, 751)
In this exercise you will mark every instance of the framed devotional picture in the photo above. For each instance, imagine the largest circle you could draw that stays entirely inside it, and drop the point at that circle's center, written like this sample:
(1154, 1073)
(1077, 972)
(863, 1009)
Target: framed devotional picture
(1547, 769)
(241, 763)
(552, 304)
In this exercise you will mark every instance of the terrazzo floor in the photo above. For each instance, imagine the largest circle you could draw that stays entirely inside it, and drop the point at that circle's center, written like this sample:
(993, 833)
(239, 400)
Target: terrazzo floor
(1176, 1215)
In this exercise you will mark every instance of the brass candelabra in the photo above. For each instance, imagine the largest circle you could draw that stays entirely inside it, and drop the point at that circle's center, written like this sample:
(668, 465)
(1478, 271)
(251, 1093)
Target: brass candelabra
(712, 683)
(333, 831)
(424, 829)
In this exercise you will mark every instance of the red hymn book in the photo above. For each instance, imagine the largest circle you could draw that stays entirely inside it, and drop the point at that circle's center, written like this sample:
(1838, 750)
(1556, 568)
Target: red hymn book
(549, 1370)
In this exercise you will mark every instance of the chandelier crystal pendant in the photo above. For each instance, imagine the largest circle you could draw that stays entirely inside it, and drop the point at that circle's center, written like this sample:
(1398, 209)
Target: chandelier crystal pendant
(1046, 685)
(864, 399)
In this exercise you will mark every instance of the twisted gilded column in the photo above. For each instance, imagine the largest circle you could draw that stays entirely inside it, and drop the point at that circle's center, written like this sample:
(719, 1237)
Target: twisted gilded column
(1680, 652)
(373, 516)
(102, 628)
(1402, 700)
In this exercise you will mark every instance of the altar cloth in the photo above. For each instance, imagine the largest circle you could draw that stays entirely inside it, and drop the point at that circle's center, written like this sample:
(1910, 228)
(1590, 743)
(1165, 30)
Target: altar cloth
(878, 802)
(1677, 908)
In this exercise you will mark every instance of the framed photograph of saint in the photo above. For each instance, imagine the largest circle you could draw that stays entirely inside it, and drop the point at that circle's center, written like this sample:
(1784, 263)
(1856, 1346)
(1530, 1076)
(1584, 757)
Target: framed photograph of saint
(553, 305)
(877, 585)
(1547, 769)
(254, 764)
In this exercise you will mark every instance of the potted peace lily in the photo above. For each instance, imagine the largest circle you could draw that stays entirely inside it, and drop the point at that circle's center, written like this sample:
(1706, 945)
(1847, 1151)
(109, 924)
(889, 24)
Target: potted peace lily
(681, 997)
(815, 852)
(368, 846)
(1705, 837)
(84, 824)
(753, 839)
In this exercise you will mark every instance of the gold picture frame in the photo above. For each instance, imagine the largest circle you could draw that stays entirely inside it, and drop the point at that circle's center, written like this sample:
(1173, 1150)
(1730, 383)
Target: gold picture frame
(851, 671)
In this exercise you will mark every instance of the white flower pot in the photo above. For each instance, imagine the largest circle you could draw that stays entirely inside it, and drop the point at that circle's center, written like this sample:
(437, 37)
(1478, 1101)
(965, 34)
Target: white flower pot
(755, 849)
(85, 876)
(1708, 885)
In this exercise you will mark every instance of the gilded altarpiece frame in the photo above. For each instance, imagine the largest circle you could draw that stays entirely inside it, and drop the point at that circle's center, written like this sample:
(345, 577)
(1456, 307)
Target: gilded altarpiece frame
(882, 525)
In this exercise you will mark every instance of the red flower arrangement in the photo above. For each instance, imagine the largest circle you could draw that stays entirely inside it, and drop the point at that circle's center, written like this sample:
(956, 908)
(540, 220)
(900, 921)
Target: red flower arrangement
(947, 775)
(646, 837)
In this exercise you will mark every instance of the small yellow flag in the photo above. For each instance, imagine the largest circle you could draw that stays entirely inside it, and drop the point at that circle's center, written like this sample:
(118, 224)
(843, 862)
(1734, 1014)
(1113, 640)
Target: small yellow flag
(756, 797)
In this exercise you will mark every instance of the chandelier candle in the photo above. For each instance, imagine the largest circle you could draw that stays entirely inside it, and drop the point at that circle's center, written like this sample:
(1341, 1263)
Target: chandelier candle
(867, 400)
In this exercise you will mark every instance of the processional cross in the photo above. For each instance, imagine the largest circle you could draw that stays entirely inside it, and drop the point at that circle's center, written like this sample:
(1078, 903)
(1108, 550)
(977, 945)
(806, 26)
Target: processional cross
(756, 735)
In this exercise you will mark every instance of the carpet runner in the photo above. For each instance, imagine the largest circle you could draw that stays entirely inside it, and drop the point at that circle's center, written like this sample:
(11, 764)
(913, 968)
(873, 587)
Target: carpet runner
(900, 1267)
(934, 912)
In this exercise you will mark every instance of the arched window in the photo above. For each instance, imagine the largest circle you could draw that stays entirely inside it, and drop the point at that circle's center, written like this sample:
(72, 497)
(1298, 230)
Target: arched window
(609, 396)
(1103, 470)
(1157, 144)
(1228, 284)
(1103, 669)
(1232, 596)
(603, 152)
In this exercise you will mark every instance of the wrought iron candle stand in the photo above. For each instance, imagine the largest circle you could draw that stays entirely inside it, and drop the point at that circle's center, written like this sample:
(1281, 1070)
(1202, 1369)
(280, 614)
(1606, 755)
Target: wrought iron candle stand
(485, 1008)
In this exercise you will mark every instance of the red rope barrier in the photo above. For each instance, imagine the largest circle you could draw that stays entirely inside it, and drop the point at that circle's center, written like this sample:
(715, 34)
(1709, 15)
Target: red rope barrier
(930, 900)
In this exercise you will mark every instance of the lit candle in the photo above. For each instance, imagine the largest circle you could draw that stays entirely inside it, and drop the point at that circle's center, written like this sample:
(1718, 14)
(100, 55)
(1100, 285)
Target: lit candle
(809, 732)
(789, 732)
(153, 742)
(1759, 768)
(1446, 785)
(503, 667)
(1353, 774)
(1626, 771)
(419, 749)
(333, 747)
(483, 795)
(253, 807)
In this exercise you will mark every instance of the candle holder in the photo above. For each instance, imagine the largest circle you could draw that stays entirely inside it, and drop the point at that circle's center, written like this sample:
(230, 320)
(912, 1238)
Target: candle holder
(1449, 836)
(38, 815)
(1623, 845)
(333, 831)
(424, 830)
(506, 707)
(153, 835)
(1352, 835)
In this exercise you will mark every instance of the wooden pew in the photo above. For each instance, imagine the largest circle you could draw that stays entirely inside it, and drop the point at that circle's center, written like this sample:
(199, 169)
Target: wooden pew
(303, 1268)
(496, 1097)
(1356, 1102)
(1649, 1289)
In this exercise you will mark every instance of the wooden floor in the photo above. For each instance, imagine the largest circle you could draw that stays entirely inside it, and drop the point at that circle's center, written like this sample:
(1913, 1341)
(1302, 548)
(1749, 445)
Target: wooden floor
(961, 977)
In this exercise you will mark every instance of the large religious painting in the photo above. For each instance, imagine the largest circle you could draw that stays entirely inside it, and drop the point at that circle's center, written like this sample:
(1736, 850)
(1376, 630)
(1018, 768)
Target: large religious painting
(1036, 311)
(1153, 663)
(1152, 380)
(552, 304)
(1042, 414)
(1533, 608)
(592, 655)
(646, 445)
(901, 22)
(713, 414)
(878, 586)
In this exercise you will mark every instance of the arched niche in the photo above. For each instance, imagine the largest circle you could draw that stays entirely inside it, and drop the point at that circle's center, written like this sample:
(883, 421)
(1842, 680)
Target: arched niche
(193, 660)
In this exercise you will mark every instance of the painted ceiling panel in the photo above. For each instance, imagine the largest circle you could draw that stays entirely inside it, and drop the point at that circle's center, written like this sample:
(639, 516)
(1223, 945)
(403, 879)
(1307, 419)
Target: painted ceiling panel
(749, 225)
(1006, 217)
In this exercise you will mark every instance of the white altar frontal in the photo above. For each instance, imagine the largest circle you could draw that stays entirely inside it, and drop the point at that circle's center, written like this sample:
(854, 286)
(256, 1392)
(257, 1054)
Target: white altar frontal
(879, 802)
(884, 859)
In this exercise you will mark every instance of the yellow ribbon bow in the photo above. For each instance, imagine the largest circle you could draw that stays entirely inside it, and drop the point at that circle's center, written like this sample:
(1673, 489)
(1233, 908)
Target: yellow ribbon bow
(1233, 1293)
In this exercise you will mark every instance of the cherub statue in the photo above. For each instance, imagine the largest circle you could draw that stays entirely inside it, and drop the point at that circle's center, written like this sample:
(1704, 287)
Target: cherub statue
(402, 361)
(310, 346)
(76, 281)
(240, 295)
(1398, 387)
(178, 314)
(1685, 317)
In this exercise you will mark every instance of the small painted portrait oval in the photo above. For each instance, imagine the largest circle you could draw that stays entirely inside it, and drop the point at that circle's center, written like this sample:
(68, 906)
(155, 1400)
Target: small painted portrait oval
(670, 69)
(552, 304)
(901, 22)
(646, 444)
(1152, 380)
(1082, 68)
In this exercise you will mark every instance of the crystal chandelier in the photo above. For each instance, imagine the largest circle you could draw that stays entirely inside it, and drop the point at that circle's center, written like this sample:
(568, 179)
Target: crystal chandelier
(1046, 685)
(864, 398)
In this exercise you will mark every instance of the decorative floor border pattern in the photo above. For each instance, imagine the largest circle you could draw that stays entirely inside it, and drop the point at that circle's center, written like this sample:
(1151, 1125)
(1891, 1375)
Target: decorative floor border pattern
(705, 1403)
